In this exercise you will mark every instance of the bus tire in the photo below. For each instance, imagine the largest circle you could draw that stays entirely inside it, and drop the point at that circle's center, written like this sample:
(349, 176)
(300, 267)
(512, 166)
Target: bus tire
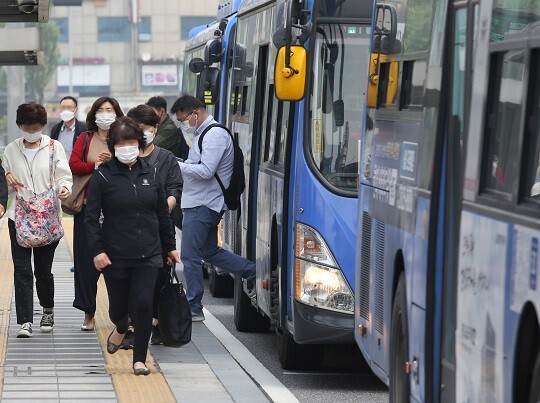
(220, 286)
(399, 346)
(246, 317)
(296, 356)
(534, 396)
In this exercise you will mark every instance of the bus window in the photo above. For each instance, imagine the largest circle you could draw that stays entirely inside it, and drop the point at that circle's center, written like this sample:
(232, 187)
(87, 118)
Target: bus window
(531, 148)
(279, 133)
(270, 129)
(502, 126)
(337, 102)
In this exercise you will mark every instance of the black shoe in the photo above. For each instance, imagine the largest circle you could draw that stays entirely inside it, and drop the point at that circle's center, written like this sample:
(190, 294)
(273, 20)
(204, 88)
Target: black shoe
(111, 347)
(72, 269)
(129, 339)
(156, 339)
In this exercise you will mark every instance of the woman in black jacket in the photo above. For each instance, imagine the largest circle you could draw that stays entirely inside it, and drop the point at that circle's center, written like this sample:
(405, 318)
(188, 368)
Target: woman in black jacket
(135, 232)
(170, 176)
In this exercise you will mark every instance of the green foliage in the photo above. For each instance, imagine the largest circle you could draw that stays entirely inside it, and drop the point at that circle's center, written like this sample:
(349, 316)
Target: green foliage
(37, 77)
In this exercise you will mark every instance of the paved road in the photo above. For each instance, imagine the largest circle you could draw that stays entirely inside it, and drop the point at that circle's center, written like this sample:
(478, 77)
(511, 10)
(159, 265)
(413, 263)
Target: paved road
(343, 376)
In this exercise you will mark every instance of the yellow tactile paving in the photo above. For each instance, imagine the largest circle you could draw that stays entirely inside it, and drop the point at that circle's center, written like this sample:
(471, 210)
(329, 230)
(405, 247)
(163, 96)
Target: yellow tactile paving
(6, 290)
(128, 387)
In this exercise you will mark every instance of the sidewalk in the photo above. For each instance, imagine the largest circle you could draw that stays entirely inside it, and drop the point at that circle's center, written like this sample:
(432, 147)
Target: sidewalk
(70, 365)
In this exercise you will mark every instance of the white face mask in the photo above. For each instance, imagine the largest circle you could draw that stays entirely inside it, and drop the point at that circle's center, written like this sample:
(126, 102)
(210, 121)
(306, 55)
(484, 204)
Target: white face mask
(32, 138)
(66, 116)
(188, 130)
(149, 137)
(104, 120)
(126, 154)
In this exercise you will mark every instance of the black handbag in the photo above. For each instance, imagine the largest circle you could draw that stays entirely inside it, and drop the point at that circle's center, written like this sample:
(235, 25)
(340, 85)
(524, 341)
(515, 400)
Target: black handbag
(174, 313)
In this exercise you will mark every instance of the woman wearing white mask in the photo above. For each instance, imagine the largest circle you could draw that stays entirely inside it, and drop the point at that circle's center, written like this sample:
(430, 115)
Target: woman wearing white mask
(170, 177)
(28, 162)
(89, 152)
(136, 232)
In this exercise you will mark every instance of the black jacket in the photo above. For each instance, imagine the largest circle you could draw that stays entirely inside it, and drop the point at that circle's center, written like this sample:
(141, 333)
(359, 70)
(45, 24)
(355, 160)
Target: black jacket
(168, 172)
(136, 221)
(79, 128)
(4, 188)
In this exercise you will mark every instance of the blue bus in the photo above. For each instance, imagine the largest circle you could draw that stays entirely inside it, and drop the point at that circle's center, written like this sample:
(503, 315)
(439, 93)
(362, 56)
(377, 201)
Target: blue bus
(297, 109)
(446, 301)
(207, 56)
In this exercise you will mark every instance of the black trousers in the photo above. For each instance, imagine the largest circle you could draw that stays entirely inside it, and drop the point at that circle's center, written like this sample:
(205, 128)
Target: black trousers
(23, 276)
(86, 275)
(130, 292)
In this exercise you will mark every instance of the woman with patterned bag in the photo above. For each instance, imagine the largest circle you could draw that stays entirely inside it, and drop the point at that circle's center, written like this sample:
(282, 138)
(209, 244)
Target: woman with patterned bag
(38, 172)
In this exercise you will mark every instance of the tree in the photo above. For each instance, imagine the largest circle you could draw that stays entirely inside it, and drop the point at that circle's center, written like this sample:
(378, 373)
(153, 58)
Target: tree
(37, 77)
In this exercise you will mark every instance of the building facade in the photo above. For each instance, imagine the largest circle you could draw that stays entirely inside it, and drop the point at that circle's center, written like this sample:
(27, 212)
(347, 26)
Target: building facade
(129, 49)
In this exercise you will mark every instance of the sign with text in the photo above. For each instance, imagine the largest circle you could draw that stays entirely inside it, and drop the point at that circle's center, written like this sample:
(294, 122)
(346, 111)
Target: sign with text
(159, 75)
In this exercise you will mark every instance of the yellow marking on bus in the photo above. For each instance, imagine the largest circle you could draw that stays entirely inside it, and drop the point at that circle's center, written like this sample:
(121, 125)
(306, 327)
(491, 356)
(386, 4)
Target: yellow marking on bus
(128, 387)
(6, 291)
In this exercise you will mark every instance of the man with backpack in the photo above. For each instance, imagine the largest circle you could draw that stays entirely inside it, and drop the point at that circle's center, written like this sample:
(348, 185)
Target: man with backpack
(213, 182)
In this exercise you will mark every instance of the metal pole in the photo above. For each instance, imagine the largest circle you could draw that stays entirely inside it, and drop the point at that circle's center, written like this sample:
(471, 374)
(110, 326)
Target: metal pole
(70, 51)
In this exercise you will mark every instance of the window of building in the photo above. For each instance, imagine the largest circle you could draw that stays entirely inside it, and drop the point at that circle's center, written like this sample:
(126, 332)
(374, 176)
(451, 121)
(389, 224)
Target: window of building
(63, 27)
(189, 22)
(144, 29)
(114, 29)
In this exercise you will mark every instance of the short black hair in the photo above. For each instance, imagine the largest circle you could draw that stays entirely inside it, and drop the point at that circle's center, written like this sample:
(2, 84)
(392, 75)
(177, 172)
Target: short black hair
(125, 128)
(144, 114)
(31, 113)
(187, 103)
(71, 99)
(157, 102)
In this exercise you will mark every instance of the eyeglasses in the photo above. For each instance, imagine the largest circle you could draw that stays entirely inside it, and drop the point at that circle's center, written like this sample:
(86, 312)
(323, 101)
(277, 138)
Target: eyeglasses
(186, 118)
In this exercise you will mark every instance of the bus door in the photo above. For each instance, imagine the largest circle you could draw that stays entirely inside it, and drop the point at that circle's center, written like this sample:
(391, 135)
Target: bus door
(461, 37)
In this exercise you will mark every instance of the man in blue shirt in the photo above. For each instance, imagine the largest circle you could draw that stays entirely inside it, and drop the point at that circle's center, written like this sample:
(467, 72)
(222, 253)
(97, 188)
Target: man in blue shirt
(203, 204)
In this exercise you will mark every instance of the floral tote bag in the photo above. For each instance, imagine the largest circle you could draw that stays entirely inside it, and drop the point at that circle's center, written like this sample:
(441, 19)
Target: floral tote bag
(37, 220)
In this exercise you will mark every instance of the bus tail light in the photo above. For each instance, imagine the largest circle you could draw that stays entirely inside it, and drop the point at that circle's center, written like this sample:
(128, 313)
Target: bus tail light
(318, 279)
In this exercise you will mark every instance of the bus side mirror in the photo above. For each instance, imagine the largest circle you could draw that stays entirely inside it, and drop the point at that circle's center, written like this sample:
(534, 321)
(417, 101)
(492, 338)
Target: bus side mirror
(290, 81)
(196, 65)
(212, 51)
(207, 85)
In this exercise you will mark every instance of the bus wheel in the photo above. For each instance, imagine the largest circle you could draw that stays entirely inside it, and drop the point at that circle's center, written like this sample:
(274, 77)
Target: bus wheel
(297, 356)
(246, 317)
(220, 286)
(399, 346)
(534, 397)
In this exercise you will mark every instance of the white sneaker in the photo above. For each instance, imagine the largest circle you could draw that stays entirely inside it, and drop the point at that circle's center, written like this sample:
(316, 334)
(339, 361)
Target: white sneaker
(221, 272)
(197, 317)
(26, 331)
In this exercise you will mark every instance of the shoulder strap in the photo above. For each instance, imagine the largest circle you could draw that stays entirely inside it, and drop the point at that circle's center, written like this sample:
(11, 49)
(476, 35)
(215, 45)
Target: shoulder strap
(84, 145)
(207, 129)
(200, 148)
(153, 158)
(51, 160)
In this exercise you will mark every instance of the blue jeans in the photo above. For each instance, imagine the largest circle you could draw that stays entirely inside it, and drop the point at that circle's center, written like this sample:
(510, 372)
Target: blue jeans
(199, 242)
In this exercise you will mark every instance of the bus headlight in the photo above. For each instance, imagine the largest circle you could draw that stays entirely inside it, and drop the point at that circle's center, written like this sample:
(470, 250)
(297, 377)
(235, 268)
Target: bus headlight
(319, 280)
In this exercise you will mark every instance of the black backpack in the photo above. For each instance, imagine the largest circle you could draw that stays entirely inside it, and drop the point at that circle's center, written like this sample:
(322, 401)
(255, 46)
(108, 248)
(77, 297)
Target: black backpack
(238, 180)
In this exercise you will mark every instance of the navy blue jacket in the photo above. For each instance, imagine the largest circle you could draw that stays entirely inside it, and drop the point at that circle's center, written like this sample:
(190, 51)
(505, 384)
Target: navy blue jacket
(136, 222)
(80, 127)
(4, 188)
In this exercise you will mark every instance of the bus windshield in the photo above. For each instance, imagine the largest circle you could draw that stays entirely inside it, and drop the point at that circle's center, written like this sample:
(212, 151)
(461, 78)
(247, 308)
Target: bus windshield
(339, 83)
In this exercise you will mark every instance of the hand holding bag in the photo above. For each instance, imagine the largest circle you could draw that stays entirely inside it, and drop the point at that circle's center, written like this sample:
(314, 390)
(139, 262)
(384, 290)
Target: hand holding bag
(174, 313)
(75, 201)
(37, 220)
